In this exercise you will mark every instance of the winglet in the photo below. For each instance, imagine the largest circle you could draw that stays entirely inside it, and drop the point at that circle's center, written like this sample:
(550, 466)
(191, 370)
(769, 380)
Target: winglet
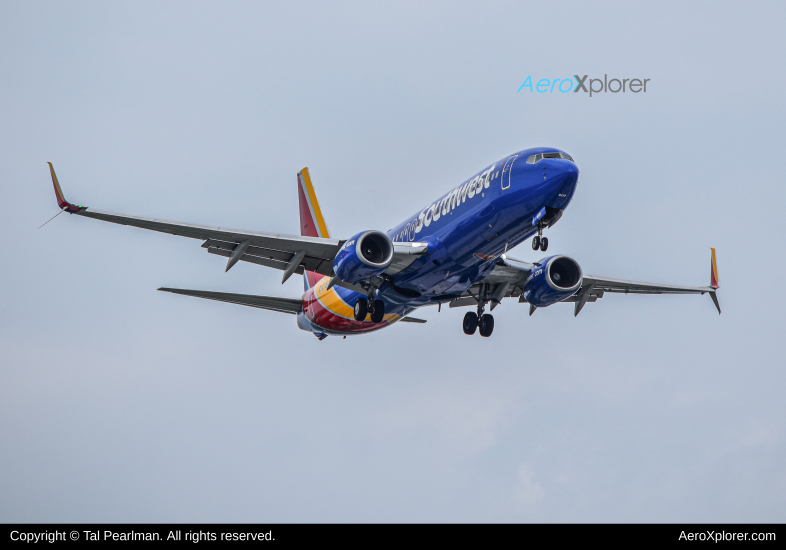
(715, 301)
(714, 281)
(61, 201)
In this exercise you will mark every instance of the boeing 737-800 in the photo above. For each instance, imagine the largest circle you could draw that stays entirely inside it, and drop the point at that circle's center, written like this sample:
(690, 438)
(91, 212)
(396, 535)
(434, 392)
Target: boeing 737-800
(453, 252)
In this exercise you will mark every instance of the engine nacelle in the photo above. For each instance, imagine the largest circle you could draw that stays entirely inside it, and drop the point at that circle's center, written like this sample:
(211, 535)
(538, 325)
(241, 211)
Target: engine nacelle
(557, 278)
(363, 256)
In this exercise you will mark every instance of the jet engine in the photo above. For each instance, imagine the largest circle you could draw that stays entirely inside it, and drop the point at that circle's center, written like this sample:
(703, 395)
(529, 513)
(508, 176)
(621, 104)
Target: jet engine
(363, 256)
(557, 278)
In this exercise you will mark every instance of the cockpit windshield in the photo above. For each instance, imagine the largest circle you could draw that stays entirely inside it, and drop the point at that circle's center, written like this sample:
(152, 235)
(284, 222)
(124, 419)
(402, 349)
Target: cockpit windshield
(555, 155)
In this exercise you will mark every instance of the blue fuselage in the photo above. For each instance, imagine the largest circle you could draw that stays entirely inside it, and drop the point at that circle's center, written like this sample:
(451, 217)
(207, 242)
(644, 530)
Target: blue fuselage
(468, 230)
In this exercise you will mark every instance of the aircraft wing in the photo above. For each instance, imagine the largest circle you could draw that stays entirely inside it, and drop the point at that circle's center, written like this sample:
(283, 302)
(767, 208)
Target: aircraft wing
(290, 253)
(593, 287)
(636, 287)
(509, 275)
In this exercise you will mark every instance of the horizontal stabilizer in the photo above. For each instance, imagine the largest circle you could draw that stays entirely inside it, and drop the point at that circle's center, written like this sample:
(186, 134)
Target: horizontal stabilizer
(273, 303)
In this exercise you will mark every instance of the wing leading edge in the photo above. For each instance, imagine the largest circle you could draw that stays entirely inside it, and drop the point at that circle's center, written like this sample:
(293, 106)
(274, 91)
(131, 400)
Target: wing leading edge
(593, 286)
(268, 249)
(288, 253)
(509, 276)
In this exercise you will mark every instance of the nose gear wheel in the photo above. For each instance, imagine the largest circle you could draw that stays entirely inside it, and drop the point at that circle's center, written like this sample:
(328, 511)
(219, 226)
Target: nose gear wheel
(539, 241)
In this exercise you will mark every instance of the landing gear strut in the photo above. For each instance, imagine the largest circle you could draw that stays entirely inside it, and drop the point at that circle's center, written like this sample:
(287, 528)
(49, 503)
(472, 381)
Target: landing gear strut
(479, 320)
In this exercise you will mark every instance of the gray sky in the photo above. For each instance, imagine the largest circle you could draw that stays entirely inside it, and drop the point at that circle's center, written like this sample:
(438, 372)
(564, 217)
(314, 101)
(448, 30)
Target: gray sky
(120, 403)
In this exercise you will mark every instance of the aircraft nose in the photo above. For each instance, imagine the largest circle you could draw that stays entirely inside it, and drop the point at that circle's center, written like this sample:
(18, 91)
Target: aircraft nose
(560, 177)
(561, 173)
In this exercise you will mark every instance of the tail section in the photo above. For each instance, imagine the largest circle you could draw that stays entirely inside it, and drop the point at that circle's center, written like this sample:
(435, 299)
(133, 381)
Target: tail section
(312, 223)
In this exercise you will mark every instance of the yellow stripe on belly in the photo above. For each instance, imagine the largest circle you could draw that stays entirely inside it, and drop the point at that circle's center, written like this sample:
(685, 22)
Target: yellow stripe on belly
(331, 301)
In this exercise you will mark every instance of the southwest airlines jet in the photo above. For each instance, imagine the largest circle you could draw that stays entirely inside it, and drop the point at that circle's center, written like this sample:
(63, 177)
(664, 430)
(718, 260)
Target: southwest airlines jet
(451, 251)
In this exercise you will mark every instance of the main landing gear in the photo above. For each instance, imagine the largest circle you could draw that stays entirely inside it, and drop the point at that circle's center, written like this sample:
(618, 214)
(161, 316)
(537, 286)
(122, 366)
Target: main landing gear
(479, 320)
(538, 241)
(375, 307)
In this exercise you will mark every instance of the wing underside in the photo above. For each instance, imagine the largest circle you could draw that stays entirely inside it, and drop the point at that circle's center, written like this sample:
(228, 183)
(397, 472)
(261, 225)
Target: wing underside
(268, 249)
(509, 276)
(288, 253)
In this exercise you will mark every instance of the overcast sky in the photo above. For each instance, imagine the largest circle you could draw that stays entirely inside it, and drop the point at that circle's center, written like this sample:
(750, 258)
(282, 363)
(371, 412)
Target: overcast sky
(120, 403)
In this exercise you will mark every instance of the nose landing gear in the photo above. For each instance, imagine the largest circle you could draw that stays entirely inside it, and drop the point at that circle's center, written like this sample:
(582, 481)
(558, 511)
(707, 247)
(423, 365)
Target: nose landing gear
(550, 217)
(540, 242)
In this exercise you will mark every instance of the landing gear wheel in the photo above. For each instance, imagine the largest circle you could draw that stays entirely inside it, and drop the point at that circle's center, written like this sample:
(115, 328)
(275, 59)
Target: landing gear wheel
(544, 244)
(535, 242)
(379, 311)
(486, 325)
(361, 309)
(470, 322)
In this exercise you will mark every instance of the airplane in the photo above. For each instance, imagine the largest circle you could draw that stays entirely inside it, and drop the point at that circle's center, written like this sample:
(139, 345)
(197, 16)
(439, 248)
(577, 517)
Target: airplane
(452, 252)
